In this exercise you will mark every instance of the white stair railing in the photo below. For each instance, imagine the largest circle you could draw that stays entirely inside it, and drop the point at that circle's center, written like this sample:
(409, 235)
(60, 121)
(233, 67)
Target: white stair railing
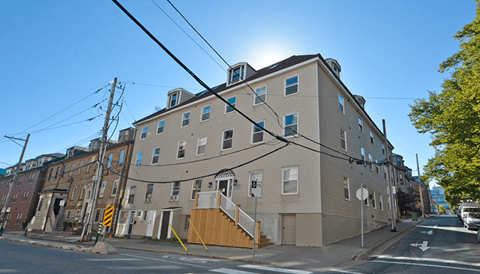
(246, 222)
(207, 200)
(227, 206)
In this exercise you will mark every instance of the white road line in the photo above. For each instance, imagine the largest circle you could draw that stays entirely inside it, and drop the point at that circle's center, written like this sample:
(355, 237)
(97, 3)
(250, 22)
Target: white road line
(230, 271)
(278, 270)
(428, 260)
(106, 260)
(344, 271)
(428, 265)
(170, 261)
(140, 268)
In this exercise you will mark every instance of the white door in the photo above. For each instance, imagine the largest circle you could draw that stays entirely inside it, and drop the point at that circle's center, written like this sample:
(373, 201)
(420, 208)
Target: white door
(226, 186)
(150, 222)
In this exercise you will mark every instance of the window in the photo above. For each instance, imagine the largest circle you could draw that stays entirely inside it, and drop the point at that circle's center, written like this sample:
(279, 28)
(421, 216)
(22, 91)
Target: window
(19, 218)
(64, 170)
(370, 161)
(173, 99)
(122, 154)
(187, 222)
(89, 165)
(102, 190)
(97, 215)
(374, 204)
(366, 201)
(82, 193)
(363, 155)
(114, 188)
(381, 202)
(196, 187)
(261, 95)
(73, 193)
(290, 180)
(232, 101)
(343, 139)
(109, 163)
(257, 135)
(56, 172)
(340, 103)
(156, 152)
(383, 149)
(346, 188)
(50, 174)
(385, 171)
(371, 137)
(80, 167)
(175, 188)
(254, 176)
(186, 119)
(401, 178)
(205, 113)
(144, 132)
(202, 146)
(40, 203)
(131, 195)
(291, 85)
(71, 169)
(376, 167)
(227, 139)
(181, 149)
(14, 197)
(149, 193)
(360, 125)
(291, 124)
(139, 159)
(161, 124)
(235, 75)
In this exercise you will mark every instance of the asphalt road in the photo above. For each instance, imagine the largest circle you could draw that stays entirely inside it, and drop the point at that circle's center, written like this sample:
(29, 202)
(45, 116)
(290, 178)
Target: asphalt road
(24, 258)
(439, 245)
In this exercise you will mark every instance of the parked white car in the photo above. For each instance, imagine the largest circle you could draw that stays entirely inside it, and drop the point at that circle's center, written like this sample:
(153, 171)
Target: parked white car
(472, 220)
(468, 209)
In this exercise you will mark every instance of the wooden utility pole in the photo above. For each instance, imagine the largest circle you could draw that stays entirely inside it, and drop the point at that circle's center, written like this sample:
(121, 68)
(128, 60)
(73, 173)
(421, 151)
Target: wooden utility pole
(420, 188)
(390, 183)
(12, 185)
(87, 229)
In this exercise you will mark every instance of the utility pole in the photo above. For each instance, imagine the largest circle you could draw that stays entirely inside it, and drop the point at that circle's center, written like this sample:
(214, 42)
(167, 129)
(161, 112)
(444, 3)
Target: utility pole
(390, 183)
(12, 185)
(87, 229)
(420, 188)
(436, 198)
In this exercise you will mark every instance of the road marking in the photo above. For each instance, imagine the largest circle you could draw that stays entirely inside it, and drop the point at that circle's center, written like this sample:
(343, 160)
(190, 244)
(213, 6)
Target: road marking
(278, 270)
(230, 271)
(344, 271)
(430, 232)
(106, 260)
(428, 265)
(422, 246)
(160, 260)
(428, 260)
(8, 270)
(139, 268)
(200, 260)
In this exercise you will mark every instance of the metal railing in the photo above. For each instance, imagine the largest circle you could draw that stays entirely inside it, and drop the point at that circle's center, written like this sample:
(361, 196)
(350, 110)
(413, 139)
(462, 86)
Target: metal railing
(207, 200)
(227, 206)
(246, 222)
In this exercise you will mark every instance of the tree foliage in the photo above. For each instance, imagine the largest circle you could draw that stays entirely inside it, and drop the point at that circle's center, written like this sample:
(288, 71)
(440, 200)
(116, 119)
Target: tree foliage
(407, 201)
(452, 117)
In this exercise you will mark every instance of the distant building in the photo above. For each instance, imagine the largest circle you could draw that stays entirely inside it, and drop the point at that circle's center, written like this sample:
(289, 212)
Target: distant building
(3, 171)
(438, 193)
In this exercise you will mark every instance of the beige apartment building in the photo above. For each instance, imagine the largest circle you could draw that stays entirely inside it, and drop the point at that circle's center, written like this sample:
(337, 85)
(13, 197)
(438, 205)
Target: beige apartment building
(198, 145)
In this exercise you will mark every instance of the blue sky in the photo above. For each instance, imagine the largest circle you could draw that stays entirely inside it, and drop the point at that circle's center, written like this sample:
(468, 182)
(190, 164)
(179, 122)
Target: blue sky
(55, 53)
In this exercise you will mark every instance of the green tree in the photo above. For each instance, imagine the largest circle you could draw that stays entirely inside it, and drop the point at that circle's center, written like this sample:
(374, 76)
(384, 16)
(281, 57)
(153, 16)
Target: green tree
(452, 117)
(406, 201)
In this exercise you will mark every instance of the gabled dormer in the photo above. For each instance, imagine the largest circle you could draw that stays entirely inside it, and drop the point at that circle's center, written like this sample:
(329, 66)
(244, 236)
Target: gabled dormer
(125, 135)
(334, 65)
(178, 96)
(239, 72)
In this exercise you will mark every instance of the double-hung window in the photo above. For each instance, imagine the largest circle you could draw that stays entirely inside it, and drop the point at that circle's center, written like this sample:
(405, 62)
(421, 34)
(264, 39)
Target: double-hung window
(110, 157)
(80, 167)
(73, 193)
(371, 137)
(360, 125)
(202, 146)
(144, 132)
(156, 152)
(341, 104)
(261, 95)
(383, 149)
(114, 188)
(181, 149)
(205, 113)
(376, 167)
(186, 119)
(381, 202)
(236, 74)
(25, 196)
(343, 139)
(366, 199)
(173, 99)
(196, 187)
(290, 125)
(290, 180)
(291, 85)
(139, 159)
(258, 133)
(232, 101)
(149, 193)
(161, 124)
(131, 195)
(82, 193)
(102, 190)
(175, 188)
(374, 204)
(346, 188)
(227, 139)
(64, 170)
(72, 169)
(122, 154)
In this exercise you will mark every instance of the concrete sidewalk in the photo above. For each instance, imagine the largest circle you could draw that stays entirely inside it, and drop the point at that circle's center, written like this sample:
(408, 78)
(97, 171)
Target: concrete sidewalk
(345, 253)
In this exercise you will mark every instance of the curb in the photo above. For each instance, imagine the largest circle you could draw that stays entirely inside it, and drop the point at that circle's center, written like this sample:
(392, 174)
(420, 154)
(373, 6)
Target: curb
(47, 244)
(365, 253)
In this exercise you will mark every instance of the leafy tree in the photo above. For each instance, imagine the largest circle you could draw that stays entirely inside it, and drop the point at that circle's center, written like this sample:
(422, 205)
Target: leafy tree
(407, 201)
(452, 117)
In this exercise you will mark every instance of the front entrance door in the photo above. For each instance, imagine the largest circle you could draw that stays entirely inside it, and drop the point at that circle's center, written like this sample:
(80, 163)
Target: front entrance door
(150, 222)
(56, 206)
(288, 231)
(131, 222)
(225, 186)
(164, 227)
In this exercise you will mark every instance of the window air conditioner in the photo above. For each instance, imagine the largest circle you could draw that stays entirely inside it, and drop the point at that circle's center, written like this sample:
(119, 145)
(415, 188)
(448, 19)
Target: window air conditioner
(173, 198)
(148, 199)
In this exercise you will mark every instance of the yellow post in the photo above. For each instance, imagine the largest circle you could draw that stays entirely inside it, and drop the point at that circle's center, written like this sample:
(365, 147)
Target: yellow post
(178, 237)
(198, 235)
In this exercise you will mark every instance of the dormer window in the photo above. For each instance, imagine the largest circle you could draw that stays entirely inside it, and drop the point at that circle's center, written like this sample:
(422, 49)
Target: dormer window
(173, 99)
(236, 74)
(239, 72)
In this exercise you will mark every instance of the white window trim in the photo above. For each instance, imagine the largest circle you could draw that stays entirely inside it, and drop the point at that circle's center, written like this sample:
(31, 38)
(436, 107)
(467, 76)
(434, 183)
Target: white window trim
(255, 97)
(368, 200)
(349, 192)
(253, 131)
(198, 145)
(209, 113)
(284, 125)
(370, 160)
(113, 187)
(381, 202)
(346, 145)
(226, 105)
(364, 158)
(221, 143)
(298, 181)
(343, 103)
(178, 149)
(183, 119)
(360, 123)
(146, 133)
(136, 159)
(377, 168)
(191, 192)
(159, 127)
(100, 193)
(153, 155)
(285, 86)
(179, 188)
